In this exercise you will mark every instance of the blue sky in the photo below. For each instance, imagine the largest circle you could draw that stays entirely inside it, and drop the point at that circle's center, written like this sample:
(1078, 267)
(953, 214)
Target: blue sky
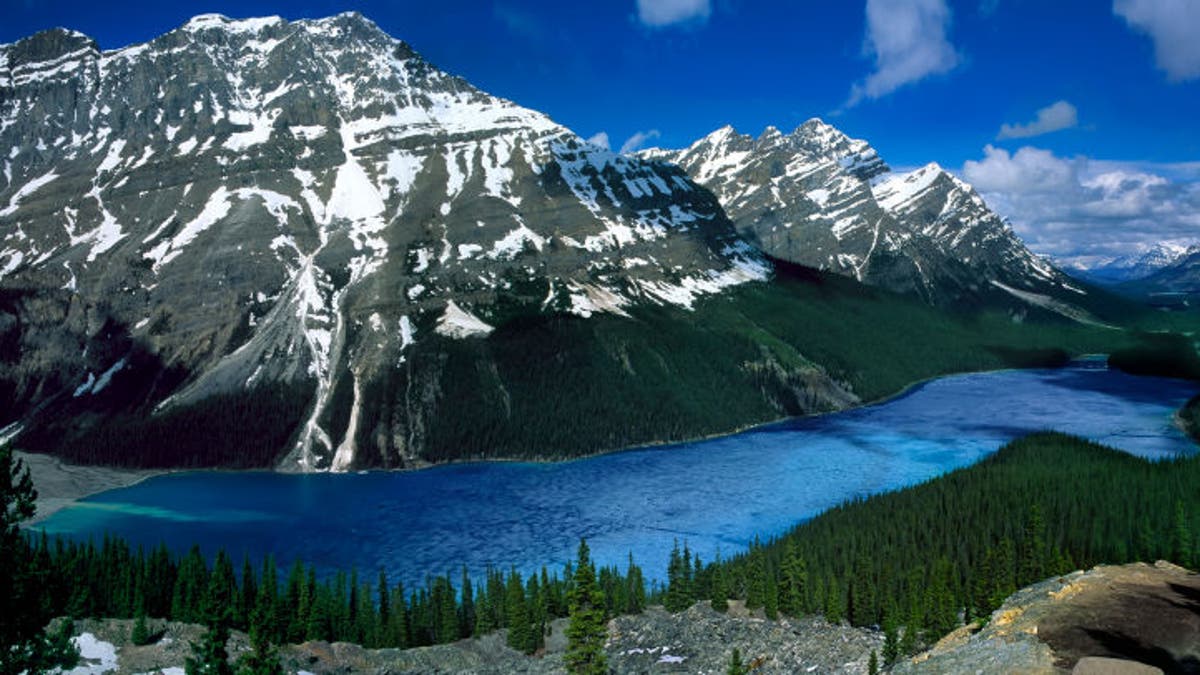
(1065, 114)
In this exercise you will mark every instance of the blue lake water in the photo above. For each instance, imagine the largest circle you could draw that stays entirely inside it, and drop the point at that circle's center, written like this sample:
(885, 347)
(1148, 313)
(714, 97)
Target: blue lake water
(715, 494)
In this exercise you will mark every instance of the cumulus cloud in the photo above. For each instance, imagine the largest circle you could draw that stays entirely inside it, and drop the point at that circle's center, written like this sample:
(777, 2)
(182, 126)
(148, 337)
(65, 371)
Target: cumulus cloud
(660, 13)
(908, 40)
(1173, 26)
(638, 140)
(1082, 209)
(1027, 170)
(1056, 116)
(600, 139)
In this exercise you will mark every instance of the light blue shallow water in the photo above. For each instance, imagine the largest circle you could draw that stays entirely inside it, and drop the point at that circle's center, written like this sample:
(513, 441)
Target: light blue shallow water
(715, 494)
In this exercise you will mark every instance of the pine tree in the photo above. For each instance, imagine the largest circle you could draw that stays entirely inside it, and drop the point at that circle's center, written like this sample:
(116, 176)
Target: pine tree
(263, 658)
(1032, 565)
(520, 626)
(873, 664)
(677, 582)
(793, 581)
(756, 580)
(398, 623)
(466, 611)
(24, 644)
(891, 637)
(736, 667)
(835, 602)
(209, 656)
(636, 591)
(139, 634)
(719, 592)
(587, 631)
(1181, 540)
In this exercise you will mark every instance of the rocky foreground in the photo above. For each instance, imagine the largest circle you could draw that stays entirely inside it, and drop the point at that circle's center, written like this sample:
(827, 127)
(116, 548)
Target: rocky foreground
(698, 640)
(1124, 619)
(1132, 619)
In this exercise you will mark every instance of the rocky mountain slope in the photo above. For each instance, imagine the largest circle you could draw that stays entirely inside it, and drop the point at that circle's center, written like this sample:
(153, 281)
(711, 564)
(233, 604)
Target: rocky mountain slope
(298, 208)
(1134, 618)
(819, 198)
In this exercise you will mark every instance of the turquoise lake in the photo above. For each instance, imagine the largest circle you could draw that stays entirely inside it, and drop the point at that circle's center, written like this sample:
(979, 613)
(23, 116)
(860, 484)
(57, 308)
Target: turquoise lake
(715, 494)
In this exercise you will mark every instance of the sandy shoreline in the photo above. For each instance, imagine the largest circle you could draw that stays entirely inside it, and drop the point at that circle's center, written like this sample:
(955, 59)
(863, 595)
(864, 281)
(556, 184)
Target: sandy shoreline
(59, 484)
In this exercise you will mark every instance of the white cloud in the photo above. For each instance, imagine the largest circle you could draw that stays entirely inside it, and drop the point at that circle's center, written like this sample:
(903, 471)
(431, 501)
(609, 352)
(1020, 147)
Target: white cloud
(908, 40)
(1086, 209)
(600, 139)
(1173, 25)
(659, 13)
(636, 141)
(1056, 116)
(1028, 170)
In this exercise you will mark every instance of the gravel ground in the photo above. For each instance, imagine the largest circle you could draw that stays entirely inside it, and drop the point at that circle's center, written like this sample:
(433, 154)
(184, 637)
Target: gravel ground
(59, 485)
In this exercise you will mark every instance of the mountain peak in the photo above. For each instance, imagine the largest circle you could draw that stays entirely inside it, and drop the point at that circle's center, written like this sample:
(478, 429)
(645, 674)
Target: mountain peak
(48, 45)
(202, 22)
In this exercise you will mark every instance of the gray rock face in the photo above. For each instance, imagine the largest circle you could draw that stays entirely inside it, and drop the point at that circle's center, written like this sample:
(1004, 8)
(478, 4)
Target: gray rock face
(240, 204)
(819, 198)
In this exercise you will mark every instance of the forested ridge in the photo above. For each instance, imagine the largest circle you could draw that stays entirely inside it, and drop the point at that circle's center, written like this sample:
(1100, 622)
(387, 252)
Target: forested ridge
(915, 562)
(559, 386)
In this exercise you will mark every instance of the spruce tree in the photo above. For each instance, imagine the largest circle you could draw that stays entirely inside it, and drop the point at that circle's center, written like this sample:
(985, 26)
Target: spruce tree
(209, 656)
(381, 638)
(873, 664)
(140, 634)
(891, 637)
(520, 627)
(636, 589)
(24, 645)
(1181, 539)
(587, 630)
(466, 610)
(263, 658)
(736, 667)
(719, 592)
(677, 581)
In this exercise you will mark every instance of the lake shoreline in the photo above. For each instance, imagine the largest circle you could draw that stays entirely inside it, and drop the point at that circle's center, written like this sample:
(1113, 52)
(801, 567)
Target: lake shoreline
(60, 484)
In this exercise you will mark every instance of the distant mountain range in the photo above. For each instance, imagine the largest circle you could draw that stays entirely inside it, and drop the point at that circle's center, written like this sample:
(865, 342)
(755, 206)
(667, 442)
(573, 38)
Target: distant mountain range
(1130, 267)
(1180, 275)
(301, 244)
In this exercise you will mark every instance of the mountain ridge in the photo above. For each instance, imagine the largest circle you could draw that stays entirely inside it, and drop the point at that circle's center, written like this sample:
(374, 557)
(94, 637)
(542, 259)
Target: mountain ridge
(820, 198)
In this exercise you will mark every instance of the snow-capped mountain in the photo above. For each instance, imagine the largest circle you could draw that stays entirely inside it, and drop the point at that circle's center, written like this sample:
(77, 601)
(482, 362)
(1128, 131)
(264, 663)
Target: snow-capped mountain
(1181, 275)
(1129, 267)
(243, 203)
(819, 198)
